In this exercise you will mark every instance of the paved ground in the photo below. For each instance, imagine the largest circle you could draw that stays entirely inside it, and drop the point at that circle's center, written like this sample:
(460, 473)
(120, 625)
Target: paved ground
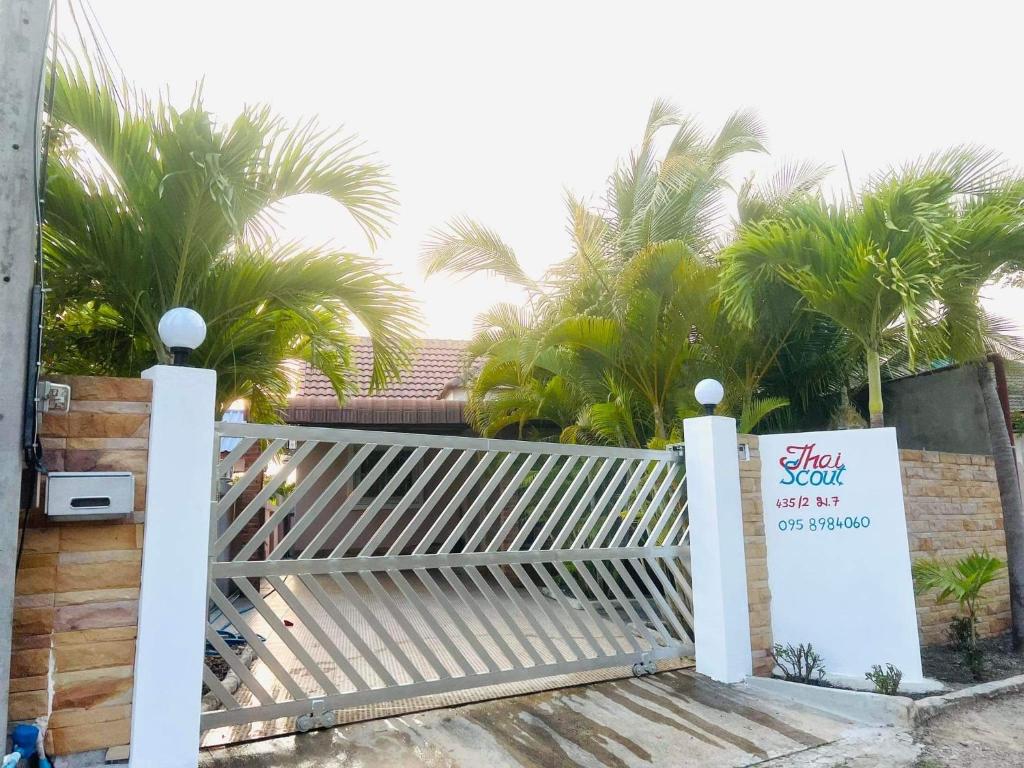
(672, 719)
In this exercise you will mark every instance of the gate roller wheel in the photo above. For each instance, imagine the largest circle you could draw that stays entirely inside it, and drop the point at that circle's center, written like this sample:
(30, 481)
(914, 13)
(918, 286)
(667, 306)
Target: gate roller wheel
(305, 723)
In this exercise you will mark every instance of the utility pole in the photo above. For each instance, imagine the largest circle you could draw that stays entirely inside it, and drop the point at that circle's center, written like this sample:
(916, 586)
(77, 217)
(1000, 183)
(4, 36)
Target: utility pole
(23, 30)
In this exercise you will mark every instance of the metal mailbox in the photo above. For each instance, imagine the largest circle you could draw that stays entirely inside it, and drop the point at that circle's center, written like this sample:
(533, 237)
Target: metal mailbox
(90, 495)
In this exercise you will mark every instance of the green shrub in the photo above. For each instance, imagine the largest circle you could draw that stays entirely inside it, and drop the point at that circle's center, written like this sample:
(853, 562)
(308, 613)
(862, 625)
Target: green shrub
(800, 664)
(961, 580)
(886, 680)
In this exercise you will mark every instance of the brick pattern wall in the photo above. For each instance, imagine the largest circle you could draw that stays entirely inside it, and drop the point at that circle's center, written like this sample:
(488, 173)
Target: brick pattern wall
(756, 552)
(77, 588)
(952, 507)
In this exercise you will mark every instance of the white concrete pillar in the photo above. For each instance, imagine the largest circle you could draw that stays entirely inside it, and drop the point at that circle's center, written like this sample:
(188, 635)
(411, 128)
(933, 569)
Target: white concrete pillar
(175, 558)
(718, 564)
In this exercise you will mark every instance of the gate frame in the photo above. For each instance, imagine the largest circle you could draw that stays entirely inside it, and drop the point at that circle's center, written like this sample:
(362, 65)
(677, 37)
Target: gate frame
(176, 560)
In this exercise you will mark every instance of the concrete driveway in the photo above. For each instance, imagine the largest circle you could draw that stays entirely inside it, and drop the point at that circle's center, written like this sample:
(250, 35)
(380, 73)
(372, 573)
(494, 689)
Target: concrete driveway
(670, 719)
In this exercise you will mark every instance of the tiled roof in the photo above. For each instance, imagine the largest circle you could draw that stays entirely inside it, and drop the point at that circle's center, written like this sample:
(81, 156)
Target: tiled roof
(375, 411)
(434, 365)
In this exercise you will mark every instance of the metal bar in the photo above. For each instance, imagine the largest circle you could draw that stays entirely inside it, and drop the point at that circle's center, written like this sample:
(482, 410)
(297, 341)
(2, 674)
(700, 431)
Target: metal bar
(639, 500)
(350, 632)
(680, 520)
(368, 514)
(308, 620)
(520, 605)
(683, 579)
(341, 514)
(313, 513)
(644, 500)
(288, 505)
(329, 434)
(440, 560)
(236, 665)
(259, 647)
(602, 503)
(672, 592)
(634, 592)
(613, 513)
(353, 597)
(380, 695)
(261, 498)
(217, 689)
(582, 504)
(542, 505)
(427, 581)
(543, 604)
(224, 465)
(606, 578)
(412, 599)
(411, 632)
(524, 500)
(438, 493)
(567, 497)
(614, 643)
(478, 502)
(481, 588)
(277, 625)
(254, 471)
(608, 607)
(574, 616)
(640, 566)
(497, 507)
(406, 501)
(653, 514)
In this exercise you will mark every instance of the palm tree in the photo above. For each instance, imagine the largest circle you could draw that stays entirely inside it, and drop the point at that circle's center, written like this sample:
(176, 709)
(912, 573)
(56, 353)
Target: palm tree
(880, 266)
(612, 338)
(960, 580)
(149, 207)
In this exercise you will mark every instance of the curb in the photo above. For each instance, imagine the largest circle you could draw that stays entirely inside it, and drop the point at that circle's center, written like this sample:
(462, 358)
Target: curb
(878, 709)
(858, 706)
(926, 709)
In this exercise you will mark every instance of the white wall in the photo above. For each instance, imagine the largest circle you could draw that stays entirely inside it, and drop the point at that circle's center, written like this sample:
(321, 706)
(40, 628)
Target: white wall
(844, 586)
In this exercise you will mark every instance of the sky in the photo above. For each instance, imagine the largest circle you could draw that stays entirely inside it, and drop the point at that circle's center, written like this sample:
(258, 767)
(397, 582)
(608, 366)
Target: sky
(495, 110)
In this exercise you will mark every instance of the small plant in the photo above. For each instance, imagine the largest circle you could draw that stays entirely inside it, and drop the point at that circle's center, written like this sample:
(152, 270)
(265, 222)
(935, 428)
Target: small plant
(801, 664)
(886, 680)
(961, 580)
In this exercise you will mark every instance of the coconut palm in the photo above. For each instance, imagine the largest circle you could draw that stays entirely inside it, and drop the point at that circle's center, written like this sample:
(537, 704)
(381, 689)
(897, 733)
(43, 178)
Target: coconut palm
(149, 207)
(879, 267)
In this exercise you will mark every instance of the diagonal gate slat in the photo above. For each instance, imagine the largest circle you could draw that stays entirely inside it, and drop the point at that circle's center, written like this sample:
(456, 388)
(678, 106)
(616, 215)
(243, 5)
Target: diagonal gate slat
(404, 566)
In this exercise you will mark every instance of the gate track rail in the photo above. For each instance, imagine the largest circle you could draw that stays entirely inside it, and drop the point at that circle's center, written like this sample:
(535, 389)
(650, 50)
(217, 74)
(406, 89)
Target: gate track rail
(397, 566)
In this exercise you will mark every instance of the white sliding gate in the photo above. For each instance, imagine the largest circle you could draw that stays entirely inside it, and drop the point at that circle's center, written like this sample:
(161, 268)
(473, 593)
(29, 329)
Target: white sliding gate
(361, 568)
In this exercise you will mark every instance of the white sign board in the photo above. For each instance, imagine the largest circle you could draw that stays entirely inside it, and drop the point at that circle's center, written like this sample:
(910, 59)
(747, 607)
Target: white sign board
(838, 556)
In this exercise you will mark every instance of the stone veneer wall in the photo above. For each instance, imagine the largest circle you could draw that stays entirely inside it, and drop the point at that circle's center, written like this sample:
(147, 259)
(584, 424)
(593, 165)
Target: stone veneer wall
(952, 507)
(77, 590)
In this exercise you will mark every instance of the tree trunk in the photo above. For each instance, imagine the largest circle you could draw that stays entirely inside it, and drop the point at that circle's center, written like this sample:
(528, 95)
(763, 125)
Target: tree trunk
(875, 389)
(1009, 495)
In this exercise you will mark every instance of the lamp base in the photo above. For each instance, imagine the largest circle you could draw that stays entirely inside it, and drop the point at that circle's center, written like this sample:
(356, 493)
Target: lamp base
(180, 356)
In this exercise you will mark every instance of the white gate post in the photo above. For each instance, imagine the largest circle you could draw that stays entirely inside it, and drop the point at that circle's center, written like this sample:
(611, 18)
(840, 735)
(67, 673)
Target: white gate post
(718, 566)
(175, 556)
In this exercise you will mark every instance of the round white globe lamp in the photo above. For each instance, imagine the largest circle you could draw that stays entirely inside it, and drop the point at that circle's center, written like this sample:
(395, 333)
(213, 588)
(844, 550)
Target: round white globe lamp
(709, 393)
(182, 330)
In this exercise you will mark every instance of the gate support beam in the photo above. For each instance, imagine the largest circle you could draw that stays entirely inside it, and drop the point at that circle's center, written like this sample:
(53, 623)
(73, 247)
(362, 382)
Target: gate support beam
(721, 616)
(175, 559)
